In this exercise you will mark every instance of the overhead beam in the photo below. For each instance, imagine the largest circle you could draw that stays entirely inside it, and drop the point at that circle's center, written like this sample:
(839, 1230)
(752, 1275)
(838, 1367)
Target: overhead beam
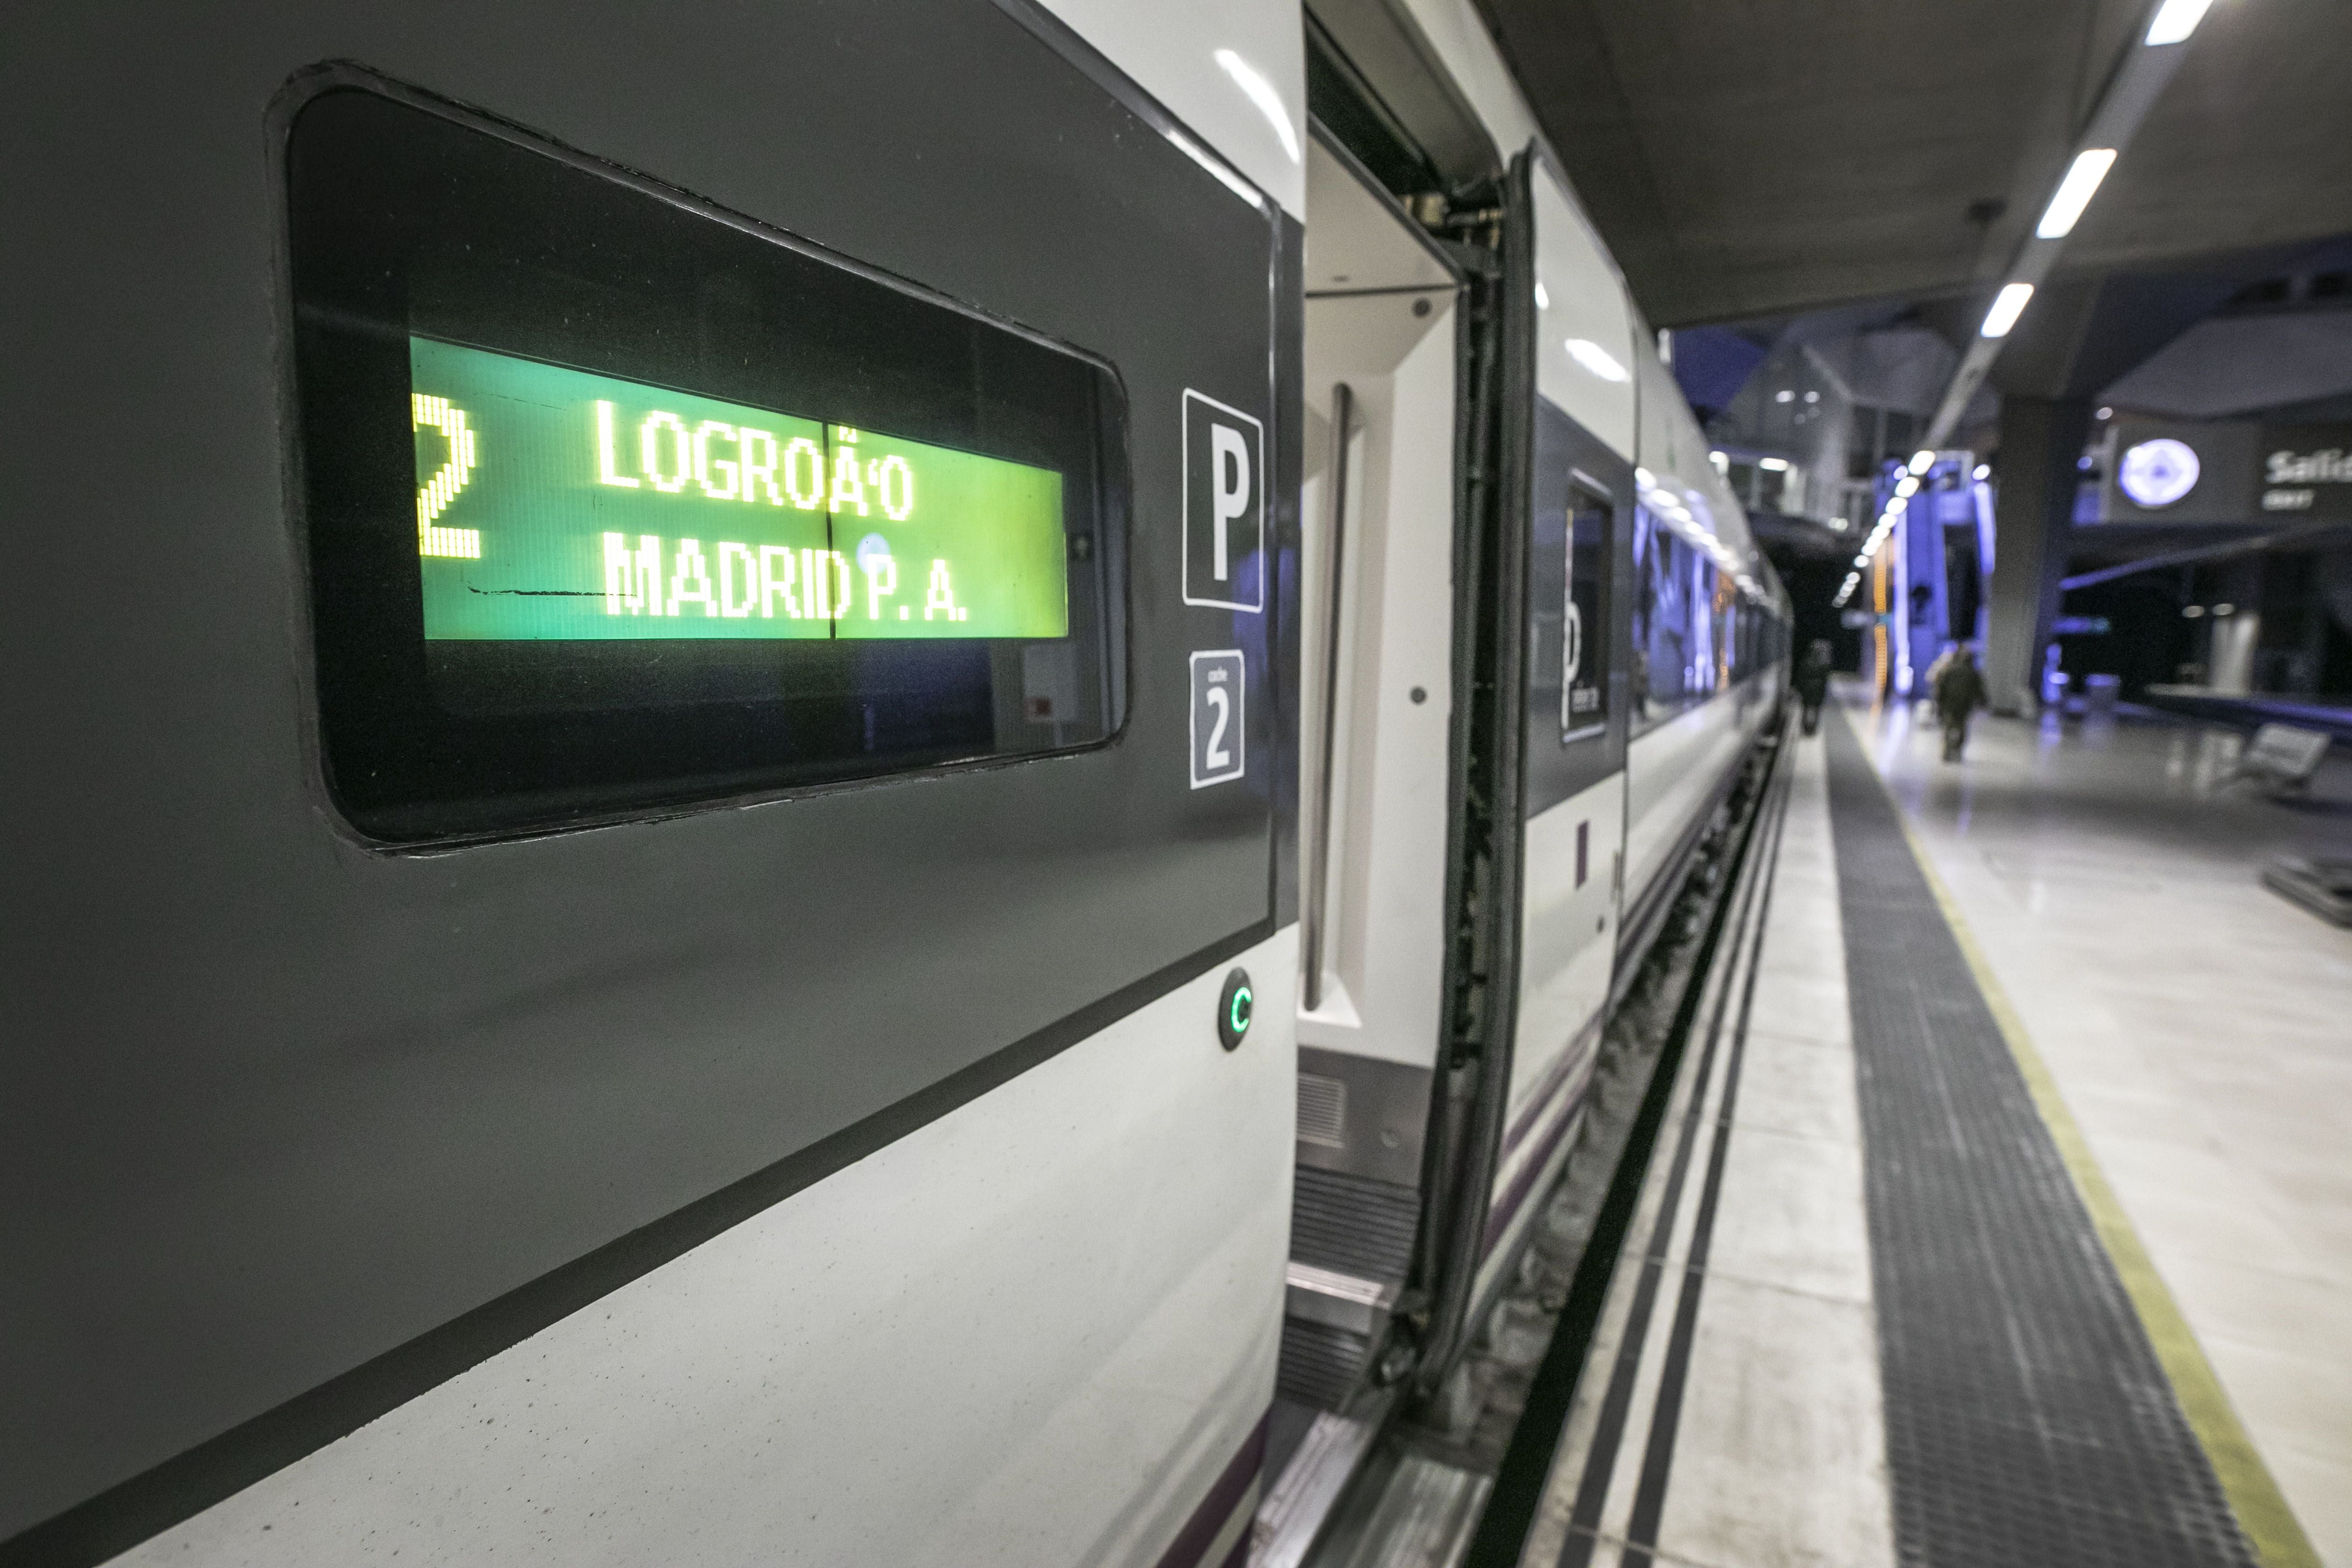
(2136, 82)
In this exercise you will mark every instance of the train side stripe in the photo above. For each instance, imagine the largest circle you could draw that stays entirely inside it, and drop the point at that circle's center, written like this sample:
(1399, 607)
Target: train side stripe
(1235, 1488)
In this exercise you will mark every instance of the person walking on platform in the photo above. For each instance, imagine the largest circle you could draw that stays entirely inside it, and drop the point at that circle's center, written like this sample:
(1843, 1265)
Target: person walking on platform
(1959, 691)
(1813, 682)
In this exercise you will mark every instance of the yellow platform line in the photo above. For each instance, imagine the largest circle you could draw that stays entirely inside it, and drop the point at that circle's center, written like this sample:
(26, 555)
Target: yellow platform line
(2270, 1525)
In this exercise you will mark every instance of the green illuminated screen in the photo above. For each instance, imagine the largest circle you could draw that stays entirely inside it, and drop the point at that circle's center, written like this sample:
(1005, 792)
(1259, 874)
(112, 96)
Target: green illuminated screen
(555, 504)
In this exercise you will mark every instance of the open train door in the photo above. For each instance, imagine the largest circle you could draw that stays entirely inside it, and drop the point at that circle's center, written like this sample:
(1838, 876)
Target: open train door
(1541, 662)
(1416, 518)
(1486, 775)
(1386, 325)
(1574, 586)
(1441, 541)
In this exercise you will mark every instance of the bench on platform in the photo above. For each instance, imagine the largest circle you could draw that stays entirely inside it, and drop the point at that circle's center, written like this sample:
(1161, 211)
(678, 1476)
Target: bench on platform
(2282, 757)
(2322, 884)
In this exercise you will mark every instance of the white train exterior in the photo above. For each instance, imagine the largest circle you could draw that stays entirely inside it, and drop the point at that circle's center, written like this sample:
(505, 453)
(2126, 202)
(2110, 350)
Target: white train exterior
(621, 1127)
(1633, 733)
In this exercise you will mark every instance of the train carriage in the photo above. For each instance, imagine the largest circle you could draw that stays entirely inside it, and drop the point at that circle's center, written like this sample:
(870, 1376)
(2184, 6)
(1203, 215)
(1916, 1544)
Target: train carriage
(1484, 400)
(835, 784)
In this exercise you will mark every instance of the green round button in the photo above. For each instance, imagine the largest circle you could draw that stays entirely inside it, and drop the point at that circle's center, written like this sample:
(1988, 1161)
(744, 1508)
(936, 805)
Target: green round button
(1234, 1006)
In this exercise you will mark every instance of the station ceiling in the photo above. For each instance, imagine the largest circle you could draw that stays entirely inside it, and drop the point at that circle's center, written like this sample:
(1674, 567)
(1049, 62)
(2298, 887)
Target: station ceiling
(1746, 159)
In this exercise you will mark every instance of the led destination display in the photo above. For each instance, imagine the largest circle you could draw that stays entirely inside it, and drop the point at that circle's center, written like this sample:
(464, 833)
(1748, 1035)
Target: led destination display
(554, 504)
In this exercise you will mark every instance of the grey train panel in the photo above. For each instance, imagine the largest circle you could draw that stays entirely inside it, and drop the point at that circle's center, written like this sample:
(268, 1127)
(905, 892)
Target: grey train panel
(1570, 462)
(276, 1103)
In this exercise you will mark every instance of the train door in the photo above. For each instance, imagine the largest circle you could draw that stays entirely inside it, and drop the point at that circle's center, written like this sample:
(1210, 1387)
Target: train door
(1541, 755)
(1576, 583)
(1378, 506)
(650, 918)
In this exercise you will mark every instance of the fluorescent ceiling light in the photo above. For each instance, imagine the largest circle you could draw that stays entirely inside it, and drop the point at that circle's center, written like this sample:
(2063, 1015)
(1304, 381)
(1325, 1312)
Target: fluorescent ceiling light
(1595, 358)
(1774, 465)
(1543, 300)
(1983, 471)
(1260, 91)
(1921, 462)
(2075, 192)
(1907, 486)
(2176, 19)
(2007, 306)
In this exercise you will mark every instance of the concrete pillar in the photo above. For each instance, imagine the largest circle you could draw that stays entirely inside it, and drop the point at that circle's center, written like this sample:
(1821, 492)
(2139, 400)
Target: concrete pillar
(2041, 441)
(2239, 585)
(2235, 638)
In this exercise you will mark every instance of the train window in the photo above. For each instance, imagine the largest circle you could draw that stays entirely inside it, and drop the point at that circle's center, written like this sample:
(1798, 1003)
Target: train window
(1683, 622)
(1570, 545)
(1584, 662)
(615, 502)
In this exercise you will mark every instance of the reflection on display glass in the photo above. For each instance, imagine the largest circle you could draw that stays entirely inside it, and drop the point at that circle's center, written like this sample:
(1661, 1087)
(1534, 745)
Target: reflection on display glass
(555, 504)
(615, 503)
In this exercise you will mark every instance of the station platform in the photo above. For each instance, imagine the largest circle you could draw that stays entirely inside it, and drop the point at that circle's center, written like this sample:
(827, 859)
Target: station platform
(2000, 1211)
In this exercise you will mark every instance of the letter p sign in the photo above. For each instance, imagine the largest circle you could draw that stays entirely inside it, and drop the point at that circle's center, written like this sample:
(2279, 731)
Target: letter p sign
(1224, 505)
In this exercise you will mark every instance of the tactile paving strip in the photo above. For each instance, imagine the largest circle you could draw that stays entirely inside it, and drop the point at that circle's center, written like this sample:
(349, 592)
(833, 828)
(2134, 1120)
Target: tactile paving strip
(2028, 1420)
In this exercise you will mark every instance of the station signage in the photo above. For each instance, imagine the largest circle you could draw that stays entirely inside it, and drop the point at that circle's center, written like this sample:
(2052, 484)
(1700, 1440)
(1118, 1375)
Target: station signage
(2179, 471)
(2307, 471)
(2222, 472)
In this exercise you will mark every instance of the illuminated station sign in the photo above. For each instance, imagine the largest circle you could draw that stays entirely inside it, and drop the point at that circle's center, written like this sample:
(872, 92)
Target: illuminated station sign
(2226, 471)
(556, 504)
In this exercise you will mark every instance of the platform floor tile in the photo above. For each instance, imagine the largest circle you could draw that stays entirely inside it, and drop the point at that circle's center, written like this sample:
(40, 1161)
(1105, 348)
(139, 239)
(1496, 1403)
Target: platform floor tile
(1752, 1415)
(2195, 1024)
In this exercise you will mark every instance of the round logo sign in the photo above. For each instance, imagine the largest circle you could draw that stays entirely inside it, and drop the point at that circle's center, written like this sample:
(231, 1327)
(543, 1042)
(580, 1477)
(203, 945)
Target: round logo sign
(2157, 473)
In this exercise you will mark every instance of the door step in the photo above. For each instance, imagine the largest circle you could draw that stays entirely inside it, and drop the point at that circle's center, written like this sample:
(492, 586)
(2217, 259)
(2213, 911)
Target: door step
(1340, 1300)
